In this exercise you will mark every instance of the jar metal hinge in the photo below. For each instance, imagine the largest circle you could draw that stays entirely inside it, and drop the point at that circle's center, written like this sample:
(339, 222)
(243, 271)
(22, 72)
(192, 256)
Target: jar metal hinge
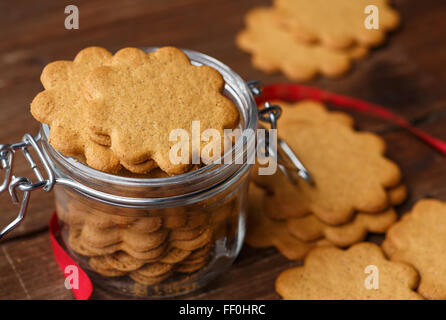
(287, 160)
(22, 184)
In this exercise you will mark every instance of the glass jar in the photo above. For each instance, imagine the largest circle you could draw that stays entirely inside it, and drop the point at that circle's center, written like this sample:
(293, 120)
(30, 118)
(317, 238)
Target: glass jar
(162, 236)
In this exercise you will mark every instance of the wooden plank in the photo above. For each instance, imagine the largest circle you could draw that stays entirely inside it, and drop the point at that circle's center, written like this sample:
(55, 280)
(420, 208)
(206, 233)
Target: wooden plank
(29, 271)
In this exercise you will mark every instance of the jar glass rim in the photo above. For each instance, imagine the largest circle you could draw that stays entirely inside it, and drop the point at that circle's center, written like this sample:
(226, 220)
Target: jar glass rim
(235, 86)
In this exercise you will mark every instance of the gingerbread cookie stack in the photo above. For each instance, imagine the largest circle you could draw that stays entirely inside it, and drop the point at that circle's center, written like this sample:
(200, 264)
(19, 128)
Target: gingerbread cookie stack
(114, 111)
(354, 192)
(304, 38)
(149, 246)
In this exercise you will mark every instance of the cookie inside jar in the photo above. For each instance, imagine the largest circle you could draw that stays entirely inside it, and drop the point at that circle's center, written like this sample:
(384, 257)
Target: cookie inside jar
(143, 135)
(167, 251)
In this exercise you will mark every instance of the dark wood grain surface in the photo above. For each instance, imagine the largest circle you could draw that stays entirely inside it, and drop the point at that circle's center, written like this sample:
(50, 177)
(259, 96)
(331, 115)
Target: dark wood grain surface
(407, 75)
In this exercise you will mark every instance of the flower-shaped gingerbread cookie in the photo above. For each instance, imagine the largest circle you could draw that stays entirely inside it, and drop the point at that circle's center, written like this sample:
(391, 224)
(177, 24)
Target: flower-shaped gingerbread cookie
(62, 106)
(276, 49)
(420, 240)
(264, 232)
(330, 273)
(349, 168)
(310, 228)
(140, 98)
(336, 23)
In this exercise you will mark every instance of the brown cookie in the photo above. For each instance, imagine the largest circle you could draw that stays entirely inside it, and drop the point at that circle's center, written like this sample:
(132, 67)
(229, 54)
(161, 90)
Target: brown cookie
(100, 238)
(122, 261)
(146, 224)
(62, 106)
(76, 243)
(222, 213)
(264, 232)
(174, 218)
(203, 239)
(307, 111)
(137, 241)
(283, 207)
(91, 241)
(177, 234)
(150, 254)
(195, 219)
(99, 221)
(310, 228)
(335, 23)
(99, 218)
(142, 242)
(310, 111)
(101, 266)
(202, 252)
(419, 239)
(334, 274)
(196, 224)
(348, 167)
(138, 277)
(175, 255)
(173, 222)
(154, 269)
(397, 194)
(122, 221)
(75, 215)
(275, 49)
(165, 92)
(140, 168)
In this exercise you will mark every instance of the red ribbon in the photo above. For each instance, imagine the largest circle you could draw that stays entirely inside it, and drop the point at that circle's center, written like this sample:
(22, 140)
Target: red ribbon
(296, 92)
(284, 92)
(85, 287)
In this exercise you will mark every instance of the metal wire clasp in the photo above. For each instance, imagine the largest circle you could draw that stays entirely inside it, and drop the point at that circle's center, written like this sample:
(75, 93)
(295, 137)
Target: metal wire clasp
(287, 160)
(26, 186)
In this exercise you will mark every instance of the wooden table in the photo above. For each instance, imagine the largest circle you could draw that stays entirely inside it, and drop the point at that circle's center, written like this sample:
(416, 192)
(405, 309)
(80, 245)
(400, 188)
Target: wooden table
(407, 75)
